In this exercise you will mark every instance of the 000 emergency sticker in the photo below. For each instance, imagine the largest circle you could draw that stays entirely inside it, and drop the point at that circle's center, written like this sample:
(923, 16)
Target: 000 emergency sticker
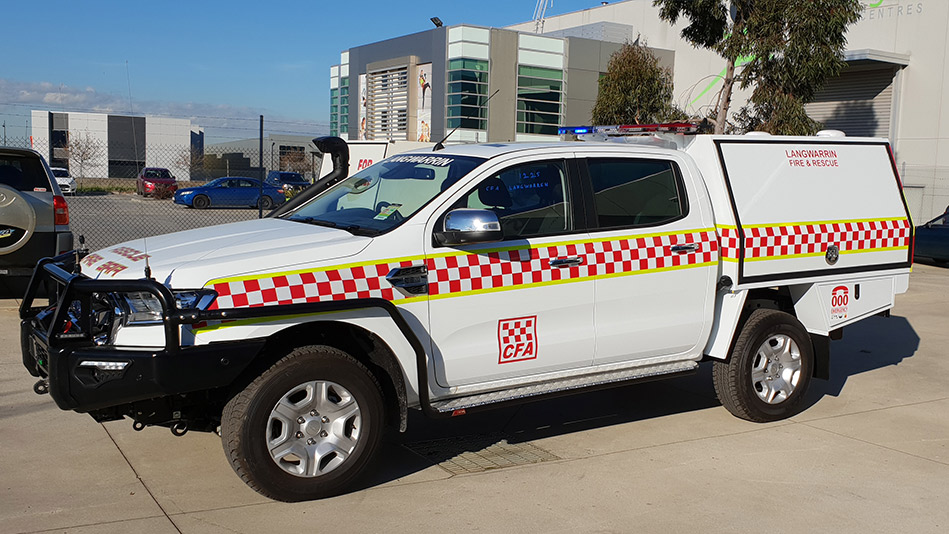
(517, 339)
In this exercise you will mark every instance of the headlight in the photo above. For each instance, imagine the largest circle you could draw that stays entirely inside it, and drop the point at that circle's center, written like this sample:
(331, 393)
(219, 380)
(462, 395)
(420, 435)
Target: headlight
(183, 193)
(144, 308)
(141, 308)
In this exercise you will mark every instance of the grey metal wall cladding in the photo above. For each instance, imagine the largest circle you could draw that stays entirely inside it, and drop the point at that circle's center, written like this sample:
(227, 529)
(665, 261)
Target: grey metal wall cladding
(858, 102)
(126, 138)
(428, 46)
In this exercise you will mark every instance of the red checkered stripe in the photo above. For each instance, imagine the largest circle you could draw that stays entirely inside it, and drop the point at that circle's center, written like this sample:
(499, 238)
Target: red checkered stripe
(730, 242)
(774, 242)
(351, 282)
(462, 273)
(522, 267)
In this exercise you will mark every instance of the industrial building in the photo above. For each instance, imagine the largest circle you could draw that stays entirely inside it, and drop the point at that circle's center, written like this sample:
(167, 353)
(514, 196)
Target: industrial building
(99, 145)
(280, 152)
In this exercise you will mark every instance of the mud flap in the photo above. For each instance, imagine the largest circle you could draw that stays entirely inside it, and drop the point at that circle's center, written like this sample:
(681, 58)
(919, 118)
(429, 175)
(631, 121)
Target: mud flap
(821, 356)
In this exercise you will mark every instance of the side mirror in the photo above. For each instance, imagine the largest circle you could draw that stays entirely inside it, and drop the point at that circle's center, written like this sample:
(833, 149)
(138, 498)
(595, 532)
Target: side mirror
(465, 226)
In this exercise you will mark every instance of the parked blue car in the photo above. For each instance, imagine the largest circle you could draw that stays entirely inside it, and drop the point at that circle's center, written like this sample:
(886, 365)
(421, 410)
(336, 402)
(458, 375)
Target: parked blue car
(231, 191)
(932, 240)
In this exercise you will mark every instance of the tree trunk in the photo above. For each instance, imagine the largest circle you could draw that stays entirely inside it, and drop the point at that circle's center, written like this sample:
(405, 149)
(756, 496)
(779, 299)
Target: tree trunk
(725, 98)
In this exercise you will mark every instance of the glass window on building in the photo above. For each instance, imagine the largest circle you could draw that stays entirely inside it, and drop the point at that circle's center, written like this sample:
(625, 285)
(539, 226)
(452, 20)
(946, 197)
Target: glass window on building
(334, 111)
(343, 124)
(539, 100)
(467, 94)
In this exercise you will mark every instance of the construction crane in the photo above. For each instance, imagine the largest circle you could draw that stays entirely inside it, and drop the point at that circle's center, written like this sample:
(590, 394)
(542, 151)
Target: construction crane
(540, 11)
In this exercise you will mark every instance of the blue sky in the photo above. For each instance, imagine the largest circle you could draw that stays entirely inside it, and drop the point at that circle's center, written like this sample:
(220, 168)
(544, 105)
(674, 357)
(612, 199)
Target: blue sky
(220, 63)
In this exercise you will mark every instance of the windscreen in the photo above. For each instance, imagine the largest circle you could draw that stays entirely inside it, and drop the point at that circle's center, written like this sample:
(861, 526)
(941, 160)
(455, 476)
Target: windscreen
(23, 173)
(380, 197)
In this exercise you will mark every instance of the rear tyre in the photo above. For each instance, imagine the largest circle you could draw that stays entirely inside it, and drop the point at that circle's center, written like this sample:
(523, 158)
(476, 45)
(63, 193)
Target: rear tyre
(200, 202)
(769, 369)
(307, 428)
(265, 203)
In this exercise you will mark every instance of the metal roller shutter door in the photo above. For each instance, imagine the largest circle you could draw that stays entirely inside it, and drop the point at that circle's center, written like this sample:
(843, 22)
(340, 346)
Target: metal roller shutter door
(858, 102)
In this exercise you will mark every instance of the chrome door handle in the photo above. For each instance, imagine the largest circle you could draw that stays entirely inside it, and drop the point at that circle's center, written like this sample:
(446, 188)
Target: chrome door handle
(682, 249)
(571, 261)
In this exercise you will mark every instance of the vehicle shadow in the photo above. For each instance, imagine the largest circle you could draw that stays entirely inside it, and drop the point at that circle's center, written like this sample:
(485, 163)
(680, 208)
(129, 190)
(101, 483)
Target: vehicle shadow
(929, 261)
(871, 344)
(496, 436)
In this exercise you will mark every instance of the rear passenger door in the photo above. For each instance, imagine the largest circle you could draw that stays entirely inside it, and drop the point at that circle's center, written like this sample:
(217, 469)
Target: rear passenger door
(656, 256)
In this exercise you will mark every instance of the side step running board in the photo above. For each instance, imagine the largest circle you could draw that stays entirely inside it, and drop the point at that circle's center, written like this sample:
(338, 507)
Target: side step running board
(461, 405)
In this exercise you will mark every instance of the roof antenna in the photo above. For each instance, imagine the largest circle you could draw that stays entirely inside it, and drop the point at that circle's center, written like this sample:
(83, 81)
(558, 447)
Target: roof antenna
(128, 79)
(440, 145)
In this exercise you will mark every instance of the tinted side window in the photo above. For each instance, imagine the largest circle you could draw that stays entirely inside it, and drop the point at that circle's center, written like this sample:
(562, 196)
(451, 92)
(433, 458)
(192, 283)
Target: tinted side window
(530, 199)
(635, 192)
(23, 173)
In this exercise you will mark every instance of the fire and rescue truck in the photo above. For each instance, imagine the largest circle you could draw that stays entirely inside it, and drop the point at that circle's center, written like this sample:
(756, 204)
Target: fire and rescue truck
(478, 276)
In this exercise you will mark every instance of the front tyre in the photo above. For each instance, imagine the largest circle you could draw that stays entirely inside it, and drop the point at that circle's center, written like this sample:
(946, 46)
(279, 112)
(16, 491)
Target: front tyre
(769, 369)
(265, 203)
(309, 427)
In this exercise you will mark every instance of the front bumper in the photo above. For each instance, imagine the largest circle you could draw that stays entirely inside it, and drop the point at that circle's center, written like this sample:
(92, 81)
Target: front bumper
(59, 344)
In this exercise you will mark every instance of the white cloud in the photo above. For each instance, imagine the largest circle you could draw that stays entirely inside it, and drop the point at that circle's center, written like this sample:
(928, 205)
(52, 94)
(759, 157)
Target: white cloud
(217, 120)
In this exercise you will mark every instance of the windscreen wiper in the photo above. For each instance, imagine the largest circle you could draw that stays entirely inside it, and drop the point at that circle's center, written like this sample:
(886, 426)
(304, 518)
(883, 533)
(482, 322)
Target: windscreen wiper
(354, 229)
(315, 221)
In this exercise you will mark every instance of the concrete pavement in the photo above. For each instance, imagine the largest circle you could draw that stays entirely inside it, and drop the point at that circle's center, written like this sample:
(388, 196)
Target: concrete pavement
(870, 454)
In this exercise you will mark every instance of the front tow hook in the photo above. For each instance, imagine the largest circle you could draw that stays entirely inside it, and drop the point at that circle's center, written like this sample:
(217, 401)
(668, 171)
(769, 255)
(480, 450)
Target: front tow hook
(41, 387)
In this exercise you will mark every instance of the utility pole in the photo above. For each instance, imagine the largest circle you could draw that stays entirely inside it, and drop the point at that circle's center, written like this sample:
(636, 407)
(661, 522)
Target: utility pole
(4, 133)
(260, 164)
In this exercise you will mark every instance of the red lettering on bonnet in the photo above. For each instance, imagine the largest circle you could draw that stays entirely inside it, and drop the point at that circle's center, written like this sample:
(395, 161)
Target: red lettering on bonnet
(130, 253)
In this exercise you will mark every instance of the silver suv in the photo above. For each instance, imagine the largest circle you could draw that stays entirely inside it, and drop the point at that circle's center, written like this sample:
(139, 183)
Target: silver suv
(34, 217)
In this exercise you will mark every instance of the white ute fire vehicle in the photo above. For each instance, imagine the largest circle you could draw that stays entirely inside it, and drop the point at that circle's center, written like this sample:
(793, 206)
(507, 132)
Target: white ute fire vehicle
(473, 277)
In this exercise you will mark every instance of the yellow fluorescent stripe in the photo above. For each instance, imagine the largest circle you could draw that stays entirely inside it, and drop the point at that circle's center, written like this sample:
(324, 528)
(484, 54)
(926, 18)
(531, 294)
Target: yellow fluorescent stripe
(446, 255)
(725, 227)
(333, 267)
(569, 280)
(816, 254)
(244, 322)
(810, 223)
(732, 260)
(258, 320)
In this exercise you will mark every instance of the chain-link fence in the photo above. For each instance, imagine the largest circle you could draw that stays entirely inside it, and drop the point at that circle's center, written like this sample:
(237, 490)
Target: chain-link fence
(123, 191)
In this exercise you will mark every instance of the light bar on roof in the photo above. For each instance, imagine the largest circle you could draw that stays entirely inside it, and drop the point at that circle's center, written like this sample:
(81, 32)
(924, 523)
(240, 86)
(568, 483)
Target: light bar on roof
(631, 129)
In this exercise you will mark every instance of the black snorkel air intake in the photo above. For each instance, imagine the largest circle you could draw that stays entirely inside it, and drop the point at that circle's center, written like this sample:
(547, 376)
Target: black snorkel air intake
(338, 150)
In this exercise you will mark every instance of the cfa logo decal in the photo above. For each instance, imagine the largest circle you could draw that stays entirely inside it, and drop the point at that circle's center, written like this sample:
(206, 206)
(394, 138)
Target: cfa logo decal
(517, 339)
(839, 299)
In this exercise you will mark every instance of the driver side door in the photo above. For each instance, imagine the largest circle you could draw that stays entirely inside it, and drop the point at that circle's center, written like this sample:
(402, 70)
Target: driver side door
(522, 306)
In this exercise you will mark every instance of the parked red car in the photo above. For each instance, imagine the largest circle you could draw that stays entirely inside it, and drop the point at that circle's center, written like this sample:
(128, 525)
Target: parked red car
(151, 178)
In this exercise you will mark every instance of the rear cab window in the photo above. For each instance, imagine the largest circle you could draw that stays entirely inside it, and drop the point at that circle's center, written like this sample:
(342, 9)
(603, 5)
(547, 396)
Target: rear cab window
(635, 192)
(24, 173)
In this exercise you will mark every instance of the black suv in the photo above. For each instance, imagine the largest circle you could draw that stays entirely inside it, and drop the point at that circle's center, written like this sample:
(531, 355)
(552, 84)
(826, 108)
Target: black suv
(34, 217)
(287, 180)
